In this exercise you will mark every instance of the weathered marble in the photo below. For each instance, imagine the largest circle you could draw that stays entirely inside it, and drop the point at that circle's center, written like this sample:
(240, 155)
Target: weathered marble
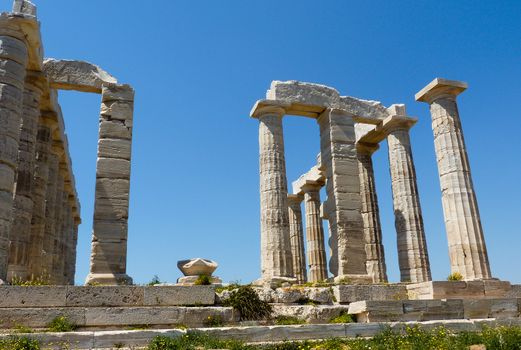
(316, 251)
(413, 257)
(296, 234)
(467, 248)
(374, 249)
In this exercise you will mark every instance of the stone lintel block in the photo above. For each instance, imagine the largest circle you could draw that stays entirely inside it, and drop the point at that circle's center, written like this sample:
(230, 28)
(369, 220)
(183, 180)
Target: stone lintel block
(115, 129)
(113, 168)
(117, 92)
(179, 295)
(440, 87)
(104, 296)
(115, 148)
(345, 294)
(23, 297)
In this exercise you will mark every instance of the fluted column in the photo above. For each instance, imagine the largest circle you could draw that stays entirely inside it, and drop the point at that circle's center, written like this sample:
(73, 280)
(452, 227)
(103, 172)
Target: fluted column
(57, 262)
(50, 210)
(23, 198)
(13, 61)
(343, 203)
(316, 250)
(371, 215)
(296, 234)
(46, 125)
(276, 259)
(63, 237)
(467, 248)
(67, 251)
(108, 262)
(413, 257)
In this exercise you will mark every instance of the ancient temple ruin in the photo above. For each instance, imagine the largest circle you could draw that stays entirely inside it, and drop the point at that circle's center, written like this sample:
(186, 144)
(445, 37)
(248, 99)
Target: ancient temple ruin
(350, 132)
(39, 206)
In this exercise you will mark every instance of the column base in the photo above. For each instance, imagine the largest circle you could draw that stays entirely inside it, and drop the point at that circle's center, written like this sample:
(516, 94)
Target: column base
(109, 279)
(353, 279)
(275, 282)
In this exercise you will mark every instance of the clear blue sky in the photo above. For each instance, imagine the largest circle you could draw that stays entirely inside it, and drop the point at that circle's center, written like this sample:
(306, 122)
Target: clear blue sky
(198, 67)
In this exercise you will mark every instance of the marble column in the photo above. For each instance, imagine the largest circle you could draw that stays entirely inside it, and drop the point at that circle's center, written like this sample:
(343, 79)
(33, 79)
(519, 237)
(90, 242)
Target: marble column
(13, 61)
(413, 257)
(343, 203)
(50, 210)
(46, 125)
(63, 237)
(23, 198)
(276, 258)
(57, 262)
(67, 243)
(296, 234)
(467, 248)
(316, 250)
(108, 263)
(371, 215)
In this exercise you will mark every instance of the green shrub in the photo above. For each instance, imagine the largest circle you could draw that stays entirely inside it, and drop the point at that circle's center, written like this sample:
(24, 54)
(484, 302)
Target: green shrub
(213, 321)
(155, 280)
(455, 276)
(203, 280)
(22, 329)
(195, 340)
(19, 343)
(230, 287)
(248, 304)
(42, 280)
(344, 317)
(288, 320)
(61, 324)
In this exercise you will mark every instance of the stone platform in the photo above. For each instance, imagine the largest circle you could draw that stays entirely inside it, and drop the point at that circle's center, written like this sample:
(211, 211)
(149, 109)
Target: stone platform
(489, 288)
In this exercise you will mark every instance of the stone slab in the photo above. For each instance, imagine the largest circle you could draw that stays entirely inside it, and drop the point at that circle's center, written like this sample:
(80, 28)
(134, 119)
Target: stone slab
(179, 295)
(105, 296)
(23, 297)
(459, 289)
(345, 294)
(313, 314)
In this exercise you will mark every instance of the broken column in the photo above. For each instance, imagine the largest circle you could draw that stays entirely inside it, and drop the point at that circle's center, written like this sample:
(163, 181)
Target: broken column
(13, 60)
(296, 234)
(413, 257)
(371, 215)
(23, 198)
(276, 259)
(467, 248)
(343, 204)
(109, 238)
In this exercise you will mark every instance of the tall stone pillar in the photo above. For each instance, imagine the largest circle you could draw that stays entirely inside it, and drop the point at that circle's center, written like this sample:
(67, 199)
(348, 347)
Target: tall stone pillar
(67, 243)
(57, 261)
(467, 248)
(72, 266)
(371, 215)
(276, 259)
(64, 236)
(314, 234)
(46, 125)
(413, 257)
(23, 198)
(343, 204)
(50, 209)
(13, 60)
(108, 263)
(296, 234)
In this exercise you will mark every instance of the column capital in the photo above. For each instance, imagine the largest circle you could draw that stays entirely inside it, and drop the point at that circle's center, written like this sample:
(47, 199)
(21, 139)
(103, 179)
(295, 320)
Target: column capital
(397, 122)
(270, 107)
(294, 199)
(440, 88)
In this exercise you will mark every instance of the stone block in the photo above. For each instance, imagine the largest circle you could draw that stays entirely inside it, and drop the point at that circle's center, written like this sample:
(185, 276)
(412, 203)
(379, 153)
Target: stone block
(114, 92)
(131, 339)
(178, 295)
(13, 49)
(109, 257)
(504, 308)
(8, 150)
(114, 148)
(39, 317)
(514, 292)
(119, 110)
(496, 288)
(345, 294)
(104, 296)
(476, 308)
(6, 178)
(113, 168)
(310, 313)
(110, 209)
(40, 296)
(9, 122)
(11, 99)
(110, 230)
(446, 290)
(115, 129)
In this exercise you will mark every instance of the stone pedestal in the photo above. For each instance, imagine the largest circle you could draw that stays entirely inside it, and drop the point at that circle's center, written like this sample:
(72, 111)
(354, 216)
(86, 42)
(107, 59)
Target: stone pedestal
(296, 234)
(13, 60)
(276, 259)
(467, 248)
(109, 238)
(23, 199)
(343, 203)
(371, 215)
(412, 248)
(314, 235)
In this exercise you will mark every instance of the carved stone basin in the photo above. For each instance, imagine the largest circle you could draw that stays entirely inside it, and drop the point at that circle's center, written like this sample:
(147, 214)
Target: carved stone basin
(197, 267)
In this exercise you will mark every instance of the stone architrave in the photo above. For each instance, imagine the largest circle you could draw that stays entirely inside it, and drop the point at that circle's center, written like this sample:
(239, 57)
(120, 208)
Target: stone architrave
(13, 62)
(46, 126)
(276, 258)
(467, 248)
(374, 249)
(316, 250)
(413, 257)
(23, 198)
(343, 204)
(296, 234)
(109, 239)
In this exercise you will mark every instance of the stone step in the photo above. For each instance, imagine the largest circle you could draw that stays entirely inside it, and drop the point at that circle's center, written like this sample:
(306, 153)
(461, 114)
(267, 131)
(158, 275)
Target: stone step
(437, 309)
(100, 296)
(257, 334)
